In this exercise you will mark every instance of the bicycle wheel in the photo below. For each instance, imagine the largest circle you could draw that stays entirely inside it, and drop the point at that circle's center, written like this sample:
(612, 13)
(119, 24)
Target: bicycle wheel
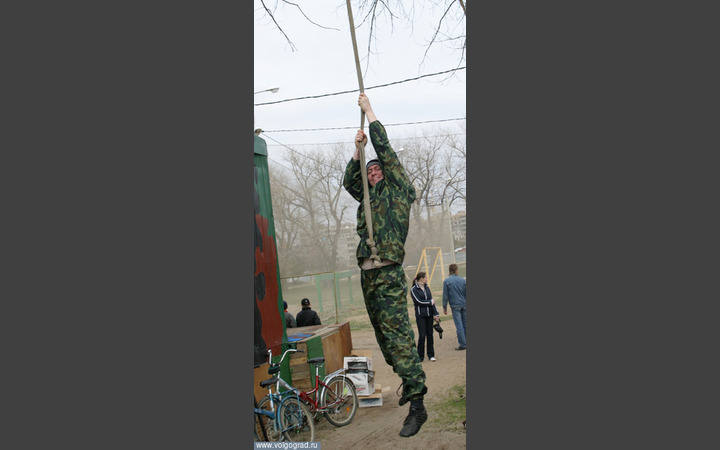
(340, 400)
(296, 421)
(273, 434)
(259, 428)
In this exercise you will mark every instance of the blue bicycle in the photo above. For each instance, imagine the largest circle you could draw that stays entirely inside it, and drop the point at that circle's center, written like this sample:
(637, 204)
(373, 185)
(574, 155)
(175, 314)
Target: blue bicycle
(282, 416)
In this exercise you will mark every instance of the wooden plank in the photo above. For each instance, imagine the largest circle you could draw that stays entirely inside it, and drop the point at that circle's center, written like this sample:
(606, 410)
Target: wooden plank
(301, 372)
(374, 399)
(333, 350)
(305, 330)
(346, 338)
(369, 401)
(303, 384)
(326, 331)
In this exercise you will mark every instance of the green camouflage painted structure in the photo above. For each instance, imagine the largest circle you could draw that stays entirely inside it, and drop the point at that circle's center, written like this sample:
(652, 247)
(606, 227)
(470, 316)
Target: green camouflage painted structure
(269, 321)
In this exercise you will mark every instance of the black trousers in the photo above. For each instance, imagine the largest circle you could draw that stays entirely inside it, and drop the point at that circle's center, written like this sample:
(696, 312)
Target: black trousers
(425, 332)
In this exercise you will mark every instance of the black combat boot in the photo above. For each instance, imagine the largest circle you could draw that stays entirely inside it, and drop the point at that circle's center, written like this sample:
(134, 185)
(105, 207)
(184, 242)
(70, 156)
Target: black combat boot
(415, 419)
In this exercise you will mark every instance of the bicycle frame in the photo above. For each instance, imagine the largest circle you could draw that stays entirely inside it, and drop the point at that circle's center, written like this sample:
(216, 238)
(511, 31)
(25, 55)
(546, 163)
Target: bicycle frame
(276, 399)
(333, 397)
(311, 397)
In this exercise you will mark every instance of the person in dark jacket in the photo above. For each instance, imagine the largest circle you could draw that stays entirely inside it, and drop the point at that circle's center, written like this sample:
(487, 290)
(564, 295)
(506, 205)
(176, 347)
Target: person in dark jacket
(425, 313)
(307, 316)
(289, 318)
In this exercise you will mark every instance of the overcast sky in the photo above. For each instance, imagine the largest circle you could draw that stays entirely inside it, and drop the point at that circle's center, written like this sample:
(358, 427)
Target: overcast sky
(324, 62)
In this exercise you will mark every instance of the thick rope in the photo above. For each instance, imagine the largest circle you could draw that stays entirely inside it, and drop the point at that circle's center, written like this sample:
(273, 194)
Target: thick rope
(357, 61)
(366, 197)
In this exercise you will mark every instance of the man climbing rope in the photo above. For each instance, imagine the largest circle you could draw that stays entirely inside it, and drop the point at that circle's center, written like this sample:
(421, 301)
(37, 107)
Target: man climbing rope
(383, 282)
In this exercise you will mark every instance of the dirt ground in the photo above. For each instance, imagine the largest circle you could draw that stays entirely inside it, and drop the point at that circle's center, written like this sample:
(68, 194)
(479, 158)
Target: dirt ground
(377, 427)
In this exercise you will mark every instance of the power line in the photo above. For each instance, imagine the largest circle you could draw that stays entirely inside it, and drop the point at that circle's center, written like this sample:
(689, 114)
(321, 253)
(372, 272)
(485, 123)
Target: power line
(279, 163)
(355, 128)
(309, 175)
(346, 142)
(299, 153)
(357, 90)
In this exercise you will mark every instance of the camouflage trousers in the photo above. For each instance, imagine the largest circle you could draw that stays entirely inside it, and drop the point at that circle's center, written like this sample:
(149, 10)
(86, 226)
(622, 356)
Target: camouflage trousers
(385, 292)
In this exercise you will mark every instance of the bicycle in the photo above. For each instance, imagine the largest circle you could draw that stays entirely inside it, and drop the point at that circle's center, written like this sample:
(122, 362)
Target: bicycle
(334, 396)
(259, 423)
(283, 415)
(337, 397)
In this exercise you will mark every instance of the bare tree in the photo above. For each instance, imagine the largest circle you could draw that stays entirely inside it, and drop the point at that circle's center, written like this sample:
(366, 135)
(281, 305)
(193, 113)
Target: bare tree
(437, 172)
(302, 188)
(286, 214)
(448, 31)
(272, 10)
(314, 200)
(454, 169)
(335, 205)
(420, 161)
(313, 211)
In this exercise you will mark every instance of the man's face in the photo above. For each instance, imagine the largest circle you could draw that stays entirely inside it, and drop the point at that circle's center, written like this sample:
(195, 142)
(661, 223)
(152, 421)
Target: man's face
(374, 174)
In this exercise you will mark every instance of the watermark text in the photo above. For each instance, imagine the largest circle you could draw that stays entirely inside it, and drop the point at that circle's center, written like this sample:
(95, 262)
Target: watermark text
(287, 445)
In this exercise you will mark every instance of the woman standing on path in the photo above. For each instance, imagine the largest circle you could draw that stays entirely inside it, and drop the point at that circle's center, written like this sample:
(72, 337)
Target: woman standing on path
(425, 312)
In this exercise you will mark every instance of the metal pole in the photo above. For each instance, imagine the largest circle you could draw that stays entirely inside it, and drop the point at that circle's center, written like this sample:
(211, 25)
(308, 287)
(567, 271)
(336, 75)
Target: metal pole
(335, 292)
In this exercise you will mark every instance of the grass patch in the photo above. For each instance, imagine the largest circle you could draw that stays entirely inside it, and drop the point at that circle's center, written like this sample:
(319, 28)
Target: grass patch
(449, 411)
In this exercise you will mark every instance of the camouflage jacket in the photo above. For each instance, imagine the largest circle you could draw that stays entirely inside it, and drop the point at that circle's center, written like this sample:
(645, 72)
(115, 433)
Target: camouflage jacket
(390, 201)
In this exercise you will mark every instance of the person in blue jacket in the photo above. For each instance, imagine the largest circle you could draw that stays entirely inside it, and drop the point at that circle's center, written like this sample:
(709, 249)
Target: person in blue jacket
(425, 313)
(454, 294)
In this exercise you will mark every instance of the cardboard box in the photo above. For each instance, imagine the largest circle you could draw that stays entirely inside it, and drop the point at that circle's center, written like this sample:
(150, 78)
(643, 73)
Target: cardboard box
(364, 382)
(358, 359)
(357, 363)
(372, 399)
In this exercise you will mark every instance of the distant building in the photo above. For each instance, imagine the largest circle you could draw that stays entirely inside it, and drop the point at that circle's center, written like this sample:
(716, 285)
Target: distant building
(347, 243)
(459, 226)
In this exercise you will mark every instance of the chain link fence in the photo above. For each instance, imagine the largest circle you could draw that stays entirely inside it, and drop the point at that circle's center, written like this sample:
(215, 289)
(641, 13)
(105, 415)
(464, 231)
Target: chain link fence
(337, 296)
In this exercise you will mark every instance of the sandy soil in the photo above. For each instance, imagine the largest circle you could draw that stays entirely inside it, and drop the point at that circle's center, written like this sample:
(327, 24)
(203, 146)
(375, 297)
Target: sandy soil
(377, 427)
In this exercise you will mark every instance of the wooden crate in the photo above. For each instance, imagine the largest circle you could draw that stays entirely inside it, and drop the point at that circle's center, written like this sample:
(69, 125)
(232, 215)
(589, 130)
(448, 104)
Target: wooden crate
(333, 342)
(344, 346)
(330, 341)
(300, 375)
